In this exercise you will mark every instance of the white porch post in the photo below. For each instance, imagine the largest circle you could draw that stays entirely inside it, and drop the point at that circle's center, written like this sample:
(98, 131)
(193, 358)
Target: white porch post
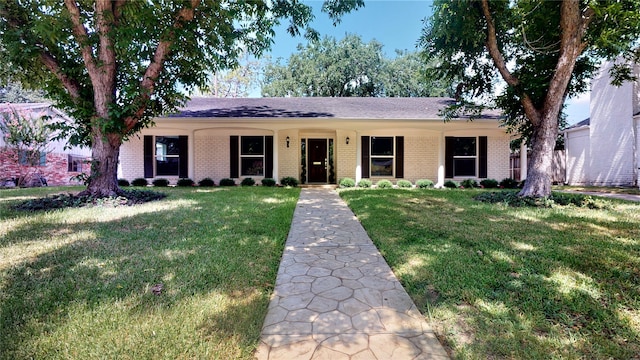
(356, 143)
(276, 147)
(523, 161)
(191, 151)
(441, 161)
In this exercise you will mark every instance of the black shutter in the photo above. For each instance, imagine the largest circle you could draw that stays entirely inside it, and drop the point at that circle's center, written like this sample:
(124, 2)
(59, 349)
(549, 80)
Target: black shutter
(183, 153)
(449, 146)
(365, 157)
(399, 157)
(268, 156)
(234, 151)
(148, 156)
(482, 159)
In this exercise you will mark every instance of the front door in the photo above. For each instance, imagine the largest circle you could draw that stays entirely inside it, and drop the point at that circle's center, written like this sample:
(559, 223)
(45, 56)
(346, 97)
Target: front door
(318, 160)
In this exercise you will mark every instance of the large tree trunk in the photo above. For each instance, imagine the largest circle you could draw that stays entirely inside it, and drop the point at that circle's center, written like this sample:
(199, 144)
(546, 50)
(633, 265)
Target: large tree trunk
(539, 166)
(104, 166)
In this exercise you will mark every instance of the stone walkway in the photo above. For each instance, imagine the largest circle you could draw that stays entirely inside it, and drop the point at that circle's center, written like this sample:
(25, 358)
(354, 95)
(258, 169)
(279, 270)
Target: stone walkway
(336, 297)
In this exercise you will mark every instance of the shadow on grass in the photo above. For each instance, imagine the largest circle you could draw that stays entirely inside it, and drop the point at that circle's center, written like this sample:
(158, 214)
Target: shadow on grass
(512, 283)
(84, 289)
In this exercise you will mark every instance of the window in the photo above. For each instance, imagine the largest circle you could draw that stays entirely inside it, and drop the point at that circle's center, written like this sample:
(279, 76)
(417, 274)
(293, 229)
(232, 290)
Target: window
(167, 155)
(466, 157)
(252, 155)
(382, 156)
(75, 163)
(32, 157)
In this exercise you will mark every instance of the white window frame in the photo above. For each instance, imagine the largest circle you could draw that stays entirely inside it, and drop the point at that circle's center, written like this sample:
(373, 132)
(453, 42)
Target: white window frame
(392, 157)
(252, 156)
(463, 157)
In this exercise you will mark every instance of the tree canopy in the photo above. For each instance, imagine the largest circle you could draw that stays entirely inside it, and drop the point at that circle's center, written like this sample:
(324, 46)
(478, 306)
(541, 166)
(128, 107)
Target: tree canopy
(114, 64)
(349, 67)
(543, 51)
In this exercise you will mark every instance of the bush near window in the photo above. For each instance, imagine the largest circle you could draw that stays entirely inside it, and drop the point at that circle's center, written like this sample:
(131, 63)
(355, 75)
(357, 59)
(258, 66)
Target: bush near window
(268, 182)
(365, 183)
(289, 181)
(160, 182)
(185, 182)
(123, 182)
(248, 182)
(384, 184)
(227, 182)
(140, 182)
(451, 184)
(206, 182)
(424, 183)
(508, 183)
(469, 183)
(404, 184)
(347, 183)
(489, 183)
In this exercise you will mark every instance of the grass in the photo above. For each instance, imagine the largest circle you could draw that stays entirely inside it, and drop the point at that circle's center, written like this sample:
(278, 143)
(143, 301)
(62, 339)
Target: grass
(77, 283)
(612, 190)
(514, 283)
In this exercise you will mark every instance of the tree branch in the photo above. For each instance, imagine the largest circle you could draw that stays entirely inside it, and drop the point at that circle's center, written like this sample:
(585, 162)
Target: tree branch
(147, 85)
(72, 86)
(571, 46)
(492, 46)
(80, 33)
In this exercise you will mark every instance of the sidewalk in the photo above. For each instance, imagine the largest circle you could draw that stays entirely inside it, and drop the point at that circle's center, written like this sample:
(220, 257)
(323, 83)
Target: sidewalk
(336, 297)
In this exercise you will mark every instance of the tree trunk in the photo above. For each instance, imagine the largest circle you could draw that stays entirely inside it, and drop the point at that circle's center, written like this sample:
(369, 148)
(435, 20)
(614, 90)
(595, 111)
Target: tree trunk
(539, 167)
(103, 180)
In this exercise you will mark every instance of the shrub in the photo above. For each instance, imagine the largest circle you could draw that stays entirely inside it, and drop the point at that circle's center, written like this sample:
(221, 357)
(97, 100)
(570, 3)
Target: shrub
(364, 183)
(489, 183)
(227, 182)
(424, 183)
(451, 184)
(123, 182)
(268, 182)
(384, 184)
(140, 182)
(160, 182)
(508, 183)
(289, 181)
(206, 182)
(404, 184)
(248, 182)
(469, 183)
(185, 182)
(511, 198)
(347, 183)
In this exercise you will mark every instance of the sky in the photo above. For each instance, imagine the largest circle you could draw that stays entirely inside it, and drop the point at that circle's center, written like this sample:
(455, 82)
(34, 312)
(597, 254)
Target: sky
(395, 24)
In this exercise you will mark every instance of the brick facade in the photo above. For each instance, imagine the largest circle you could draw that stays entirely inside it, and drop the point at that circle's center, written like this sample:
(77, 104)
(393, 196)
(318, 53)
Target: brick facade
(55, 170)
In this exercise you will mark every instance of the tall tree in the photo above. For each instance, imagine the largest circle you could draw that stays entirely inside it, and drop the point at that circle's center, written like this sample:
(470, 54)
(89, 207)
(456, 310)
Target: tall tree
(348, 67)
(114, 64)
(13, 92)
(545, 51)
(235, 82)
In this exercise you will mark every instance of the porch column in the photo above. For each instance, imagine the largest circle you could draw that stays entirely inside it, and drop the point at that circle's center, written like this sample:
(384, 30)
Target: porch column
(356, 143)
(276, 148)
(523, 161)
(441, 161)
(191, 151)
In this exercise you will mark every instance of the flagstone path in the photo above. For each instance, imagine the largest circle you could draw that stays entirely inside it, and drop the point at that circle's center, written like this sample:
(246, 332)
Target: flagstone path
(336, 297)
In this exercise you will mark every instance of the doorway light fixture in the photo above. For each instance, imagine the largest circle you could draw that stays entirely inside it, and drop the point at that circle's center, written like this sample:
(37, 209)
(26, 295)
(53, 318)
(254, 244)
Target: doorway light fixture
(288, 141)
(347, 140)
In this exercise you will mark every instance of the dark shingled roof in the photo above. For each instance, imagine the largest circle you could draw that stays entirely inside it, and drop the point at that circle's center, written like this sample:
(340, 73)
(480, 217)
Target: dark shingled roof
(585, 122)
(320, 107)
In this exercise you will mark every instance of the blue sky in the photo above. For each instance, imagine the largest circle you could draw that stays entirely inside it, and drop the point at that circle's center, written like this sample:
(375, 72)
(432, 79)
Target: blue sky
(395, 24)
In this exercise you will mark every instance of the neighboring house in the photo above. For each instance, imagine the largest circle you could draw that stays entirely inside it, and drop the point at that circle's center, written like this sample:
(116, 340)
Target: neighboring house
(604, 150)
(58, 165)
(317, 141)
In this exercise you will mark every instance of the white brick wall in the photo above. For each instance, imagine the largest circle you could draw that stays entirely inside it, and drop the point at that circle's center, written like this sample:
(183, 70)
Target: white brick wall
(211, 157)
(498, 157)
(421, 158)
(346, 154)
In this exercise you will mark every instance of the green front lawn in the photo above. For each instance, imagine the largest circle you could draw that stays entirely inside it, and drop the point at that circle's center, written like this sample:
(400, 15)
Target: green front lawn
(516, 283)
(79, 283)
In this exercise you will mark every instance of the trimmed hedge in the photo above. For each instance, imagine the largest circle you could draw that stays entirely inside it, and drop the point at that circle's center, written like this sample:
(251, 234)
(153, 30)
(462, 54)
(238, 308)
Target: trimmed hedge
(206, 182)
(347, 183)
(140, 182)
(424, 183)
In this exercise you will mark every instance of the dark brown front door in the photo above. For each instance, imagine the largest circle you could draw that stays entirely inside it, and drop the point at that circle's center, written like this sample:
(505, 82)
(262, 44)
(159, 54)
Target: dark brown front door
(318, 160)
